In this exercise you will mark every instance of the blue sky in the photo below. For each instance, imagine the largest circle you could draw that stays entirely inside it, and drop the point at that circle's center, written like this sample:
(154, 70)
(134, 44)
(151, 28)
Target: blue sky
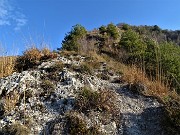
(24, 22)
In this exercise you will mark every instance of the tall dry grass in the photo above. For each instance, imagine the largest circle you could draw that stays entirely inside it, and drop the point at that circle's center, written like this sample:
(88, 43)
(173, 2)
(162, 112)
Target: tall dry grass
(135, 75)
(155, 87)
(6, 65)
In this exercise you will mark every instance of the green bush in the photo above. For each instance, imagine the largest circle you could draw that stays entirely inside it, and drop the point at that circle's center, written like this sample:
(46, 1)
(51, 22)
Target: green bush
(102, 30)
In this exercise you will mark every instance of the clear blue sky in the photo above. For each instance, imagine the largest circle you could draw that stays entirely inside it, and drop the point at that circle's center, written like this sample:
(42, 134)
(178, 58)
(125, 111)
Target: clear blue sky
(23, 22)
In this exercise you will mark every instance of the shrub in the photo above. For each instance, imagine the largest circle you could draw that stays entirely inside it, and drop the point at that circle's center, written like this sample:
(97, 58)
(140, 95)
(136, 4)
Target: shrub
(54, 70)
(58, 66)
(45, 51)
(125, 26)
(15, 129)
(103, 76)
(48, 87)
(29, 59)
(66, 53)
(47, 54)
(102, 30)
(103, 101)
(172, 117)
(76, 125)
(33, 54)
(86, 68)
(33, 57)
(10, 101)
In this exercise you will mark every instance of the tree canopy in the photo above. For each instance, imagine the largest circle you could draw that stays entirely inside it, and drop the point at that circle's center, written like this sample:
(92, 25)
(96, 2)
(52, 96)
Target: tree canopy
(70, 41)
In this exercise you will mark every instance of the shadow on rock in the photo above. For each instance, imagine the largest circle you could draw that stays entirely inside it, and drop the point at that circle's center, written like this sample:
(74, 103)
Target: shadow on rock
(149, 122)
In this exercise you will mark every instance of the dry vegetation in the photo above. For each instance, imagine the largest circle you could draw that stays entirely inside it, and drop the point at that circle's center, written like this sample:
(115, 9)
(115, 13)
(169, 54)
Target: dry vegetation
(76, 124)
(102, 100)
(33, 57)
(10, 101)
(6, 65)
(15, 129)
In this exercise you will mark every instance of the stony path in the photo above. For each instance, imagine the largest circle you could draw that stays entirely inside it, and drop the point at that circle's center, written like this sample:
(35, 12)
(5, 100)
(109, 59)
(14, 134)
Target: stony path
(139, 115)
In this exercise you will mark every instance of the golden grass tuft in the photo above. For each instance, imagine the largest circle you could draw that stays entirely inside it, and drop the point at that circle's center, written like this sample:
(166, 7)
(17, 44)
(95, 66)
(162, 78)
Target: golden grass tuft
(45, 51)
(134, 75)
(33, 57)
(6, 65)
(32, 54)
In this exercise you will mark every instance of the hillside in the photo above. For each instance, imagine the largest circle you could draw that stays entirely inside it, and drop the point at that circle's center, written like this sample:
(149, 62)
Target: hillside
(112, 80)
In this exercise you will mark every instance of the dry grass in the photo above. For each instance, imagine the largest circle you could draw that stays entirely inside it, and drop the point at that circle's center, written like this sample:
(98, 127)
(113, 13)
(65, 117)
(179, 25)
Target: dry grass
(32, 54)
(15, 129)
(103, 101)
(29, 59)
(33, 57)
(136, 78)
(47, 54)
(77, 125)
(6, 65)
(45, 51)
(10, 101)
(134, 75)
(95, 57)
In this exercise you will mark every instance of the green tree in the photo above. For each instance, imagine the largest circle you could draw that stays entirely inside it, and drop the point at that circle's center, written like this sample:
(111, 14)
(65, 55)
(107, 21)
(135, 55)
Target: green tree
(71, 39)
(125, 26)
(134, 46)
(151, 56)
(102, 30)
(170, 59)
(112, 31)
(156, 28)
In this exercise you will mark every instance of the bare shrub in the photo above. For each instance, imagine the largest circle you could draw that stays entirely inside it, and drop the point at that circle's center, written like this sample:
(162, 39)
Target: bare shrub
(10, 101)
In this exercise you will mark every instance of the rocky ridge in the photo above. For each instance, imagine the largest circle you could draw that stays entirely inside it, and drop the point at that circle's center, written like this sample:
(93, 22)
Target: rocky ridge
(44, 112)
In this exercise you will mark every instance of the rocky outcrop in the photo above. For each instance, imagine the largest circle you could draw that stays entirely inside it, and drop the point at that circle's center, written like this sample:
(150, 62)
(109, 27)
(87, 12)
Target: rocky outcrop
(43, 109)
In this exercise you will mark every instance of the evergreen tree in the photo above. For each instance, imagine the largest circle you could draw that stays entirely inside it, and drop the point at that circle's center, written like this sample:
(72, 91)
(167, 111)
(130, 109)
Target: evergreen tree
(112, 31)
(71, 39)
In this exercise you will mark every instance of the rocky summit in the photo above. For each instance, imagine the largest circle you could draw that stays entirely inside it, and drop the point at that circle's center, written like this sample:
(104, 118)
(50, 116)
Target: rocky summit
(60, 96)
